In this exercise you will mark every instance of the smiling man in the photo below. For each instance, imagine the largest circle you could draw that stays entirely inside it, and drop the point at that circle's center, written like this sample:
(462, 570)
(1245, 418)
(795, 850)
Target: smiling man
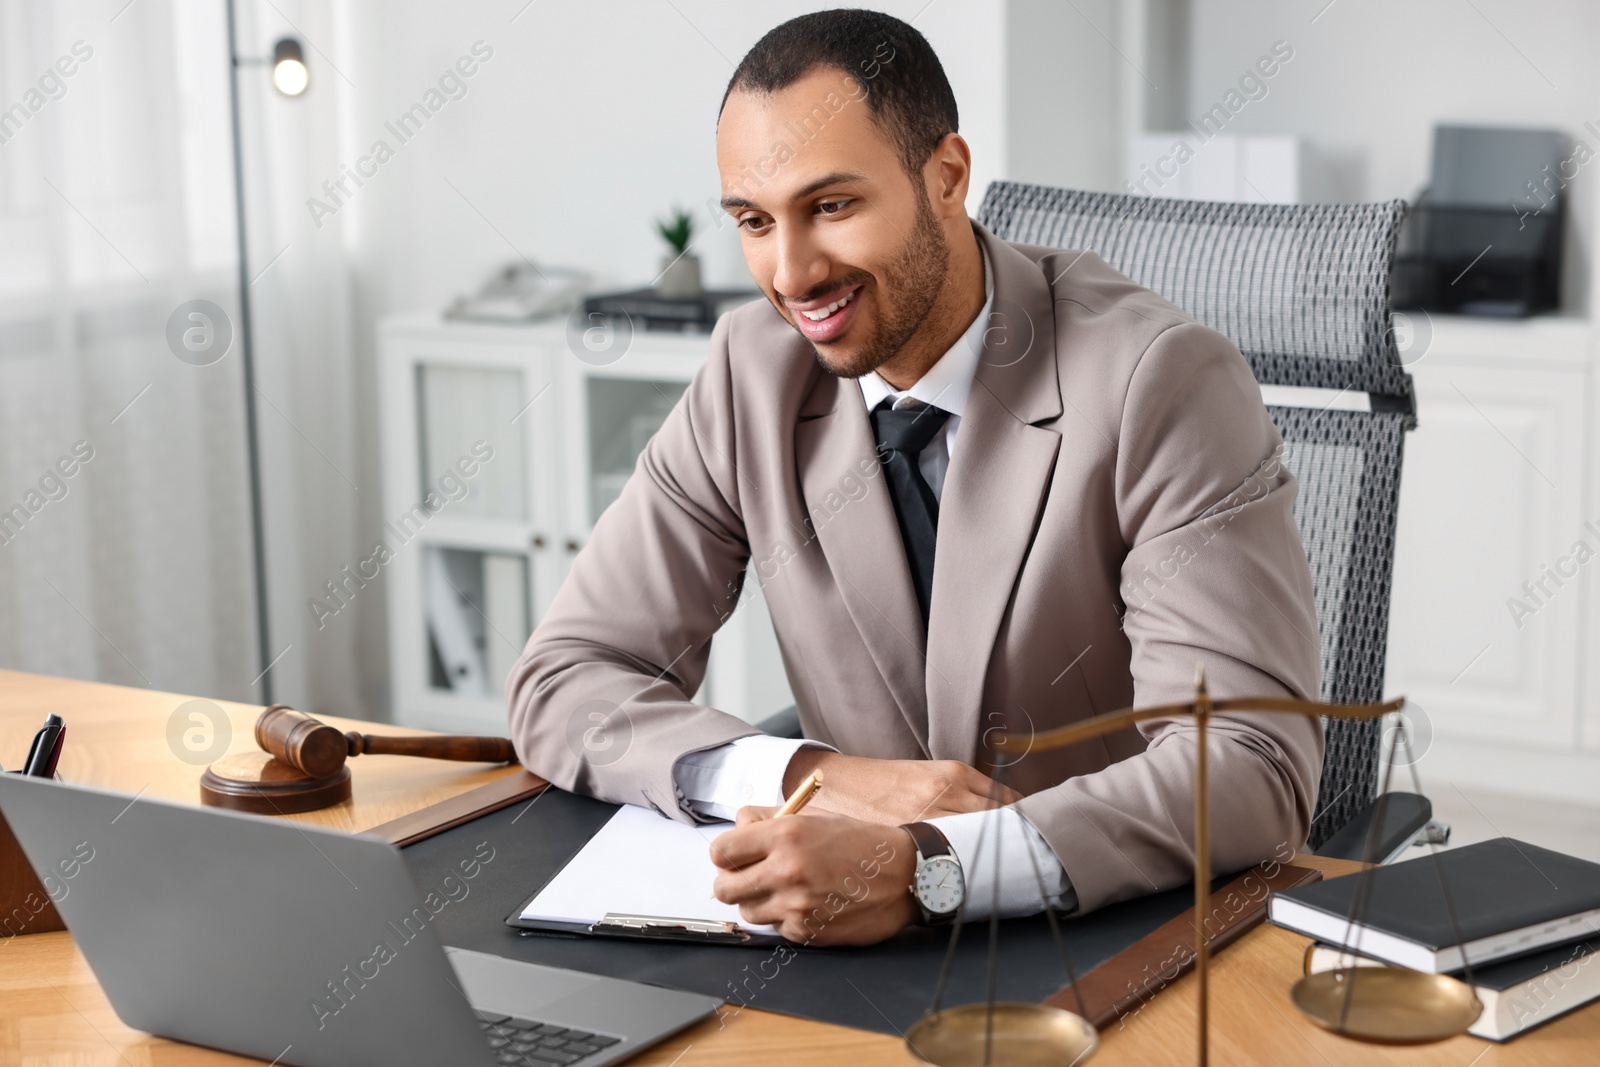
(983, 486)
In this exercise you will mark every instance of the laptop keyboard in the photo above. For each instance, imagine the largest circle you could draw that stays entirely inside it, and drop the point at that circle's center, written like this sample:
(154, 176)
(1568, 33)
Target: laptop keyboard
(534, 1044)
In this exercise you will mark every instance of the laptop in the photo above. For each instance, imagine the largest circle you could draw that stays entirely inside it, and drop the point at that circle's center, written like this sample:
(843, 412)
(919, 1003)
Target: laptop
(304, 946)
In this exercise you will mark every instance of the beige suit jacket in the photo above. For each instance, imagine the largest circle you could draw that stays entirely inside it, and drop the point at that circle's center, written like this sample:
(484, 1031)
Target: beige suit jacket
(1114, 512)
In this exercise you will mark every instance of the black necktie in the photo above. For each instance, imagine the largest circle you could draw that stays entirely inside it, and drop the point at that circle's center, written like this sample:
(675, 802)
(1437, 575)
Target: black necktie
(902, 435)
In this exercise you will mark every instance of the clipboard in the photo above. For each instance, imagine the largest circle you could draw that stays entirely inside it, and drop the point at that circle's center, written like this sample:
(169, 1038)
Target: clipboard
(641, 876)
(649, 928)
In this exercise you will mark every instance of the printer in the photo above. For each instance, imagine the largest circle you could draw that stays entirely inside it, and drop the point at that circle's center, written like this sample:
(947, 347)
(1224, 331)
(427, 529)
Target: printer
(1485, 236)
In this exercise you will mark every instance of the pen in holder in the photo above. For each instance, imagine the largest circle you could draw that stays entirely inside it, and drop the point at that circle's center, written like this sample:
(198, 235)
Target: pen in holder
(26, 906)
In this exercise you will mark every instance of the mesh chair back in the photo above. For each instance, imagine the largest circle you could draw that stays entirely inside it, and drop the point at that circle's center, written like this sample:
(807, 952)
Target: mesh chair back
(1303, 291)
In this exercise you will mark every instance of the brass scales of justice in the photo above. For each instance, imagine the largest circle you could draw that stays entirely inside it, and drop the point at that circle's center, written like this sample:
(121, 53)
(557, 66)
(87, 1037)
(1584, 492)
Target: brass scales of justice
(1384, 1005)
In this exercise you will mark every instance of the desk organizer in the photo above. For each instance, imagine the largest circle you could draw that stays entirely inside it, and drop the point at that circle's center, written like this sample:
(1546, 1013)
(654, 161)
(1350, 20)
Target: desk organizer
(25, 906)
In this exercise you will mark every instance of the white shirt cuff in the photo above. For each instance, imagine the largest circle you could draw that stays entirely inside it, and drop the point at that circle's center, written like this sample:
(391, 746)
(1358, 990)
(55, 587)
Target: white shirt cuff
(717, 782)
(1025, 862)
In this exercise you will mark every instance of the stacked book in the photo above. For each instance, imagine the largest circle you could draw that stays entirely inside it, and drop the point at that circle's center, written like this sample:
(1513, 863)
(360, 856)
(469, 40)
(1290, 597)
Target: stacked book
(1528, 921)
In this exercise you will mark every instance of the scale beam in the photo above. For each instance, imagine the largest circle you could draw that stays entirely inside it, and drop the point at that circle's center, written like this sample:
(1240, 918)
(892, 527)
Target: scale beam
(1398, 1007)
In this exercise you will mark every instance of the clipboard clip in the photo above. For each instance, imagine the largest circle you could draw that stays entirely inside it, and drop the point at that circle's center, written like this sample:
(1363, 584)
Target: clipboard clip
(667, 926)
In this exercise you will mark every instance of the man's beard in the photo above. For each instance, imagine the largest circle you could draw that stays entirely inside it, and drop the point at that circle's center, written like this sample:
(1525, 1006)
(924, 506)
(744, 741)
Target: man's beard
(915, 278)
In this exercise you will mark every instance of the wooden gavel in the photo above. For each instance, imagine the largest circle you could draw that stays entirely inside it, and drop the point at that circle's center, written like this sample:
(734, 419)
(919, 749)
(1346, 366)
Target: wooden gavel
(319, 750)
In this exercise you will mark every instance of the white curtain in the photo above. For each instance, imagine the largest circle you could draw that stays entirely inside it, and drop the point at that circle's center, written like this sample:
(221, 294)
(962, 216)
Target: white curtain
(116, 206)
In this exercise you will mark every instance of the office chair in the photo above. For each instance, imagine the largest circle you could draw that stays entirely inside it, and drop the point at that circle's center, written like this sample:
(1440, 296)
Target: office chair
(1303, 291)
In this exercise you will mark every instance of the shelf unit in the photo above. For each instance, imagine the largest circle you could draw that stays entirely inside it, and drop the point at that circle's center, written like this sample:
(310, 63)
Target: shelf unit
(473, 577)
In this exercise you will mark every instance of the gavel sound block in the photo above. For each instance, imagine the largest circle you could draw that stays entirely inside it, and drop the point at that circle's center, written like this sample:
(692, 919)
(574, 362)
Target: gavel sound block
(301, 765)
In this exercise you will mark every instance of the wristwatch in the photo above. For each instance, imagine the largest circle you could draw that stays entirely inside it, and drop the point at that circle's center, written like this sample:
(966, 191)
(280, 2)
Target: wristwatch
(938, 887)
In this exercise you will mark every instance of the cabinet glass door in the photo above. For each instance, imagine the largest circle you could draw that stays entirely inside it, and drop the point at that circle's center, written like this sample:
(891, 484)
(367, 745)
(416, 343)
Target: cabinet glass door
(468, 419)
(478, 619)
(624, 413)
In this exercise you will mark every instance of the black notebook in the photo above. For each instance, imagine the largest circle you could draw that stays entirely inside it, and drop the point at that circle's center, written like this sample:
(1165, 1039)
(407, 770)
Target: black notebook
(1517, 994)
(1510, 898)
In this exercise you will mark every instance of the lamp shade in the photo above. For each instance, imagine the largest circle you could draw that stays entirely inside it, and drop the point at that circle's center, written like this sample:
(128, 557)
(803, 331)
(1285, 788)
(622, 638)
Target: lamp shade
(289, 74)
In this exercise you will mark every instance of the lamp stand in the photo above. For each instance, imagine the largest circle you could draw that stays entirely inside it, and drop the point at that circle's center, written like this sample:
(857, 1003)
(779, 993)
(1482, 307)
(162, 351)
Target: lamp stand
(247, 360)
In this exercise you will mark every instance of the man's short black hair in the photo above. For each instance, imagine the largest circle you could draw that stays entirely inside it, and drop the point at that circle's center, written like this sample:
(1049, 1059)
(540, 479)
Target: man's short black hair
(904, 83)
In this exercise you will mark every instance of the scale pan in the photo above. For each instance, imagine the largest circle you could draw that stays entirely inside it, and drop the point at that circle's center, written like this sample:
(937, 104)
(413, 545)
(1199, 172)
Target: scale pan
(1028, 1035)
(1387, 1005)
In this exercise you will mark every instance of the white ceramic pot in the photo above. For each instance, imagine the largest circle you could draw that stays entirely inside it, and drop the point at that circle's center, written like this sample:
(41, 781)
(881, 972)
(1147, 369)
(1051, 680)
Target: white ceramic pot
(680, 276)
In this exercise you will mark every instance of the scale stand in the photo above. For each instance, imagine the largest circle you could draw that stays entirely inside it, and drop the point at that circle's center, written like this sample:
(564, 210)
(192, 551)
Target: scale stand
(1386, 1005)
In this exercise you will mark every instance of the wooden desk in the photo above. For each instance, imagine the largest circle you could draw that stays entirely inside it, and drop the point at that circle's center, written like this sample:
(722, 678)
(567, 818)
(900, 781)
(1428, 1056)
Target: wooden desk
(53, 1012)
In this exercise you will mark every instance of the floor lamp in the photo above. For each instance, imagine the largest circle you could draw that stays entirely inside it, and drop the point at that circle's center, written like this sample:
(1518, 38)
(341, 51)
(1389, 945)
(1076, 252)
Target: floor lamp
(289, 77)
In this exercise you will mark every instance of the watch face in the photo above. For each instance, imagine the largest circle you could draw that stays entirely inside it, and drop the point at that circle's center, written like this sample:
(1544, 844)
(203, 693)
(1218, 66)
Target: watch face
(940, 886)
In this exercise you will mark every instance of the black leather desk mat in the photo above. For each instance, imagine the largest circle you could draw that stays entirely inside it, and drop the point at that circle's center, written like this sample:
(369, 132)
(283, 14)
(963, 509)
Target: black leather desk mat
(884, 988)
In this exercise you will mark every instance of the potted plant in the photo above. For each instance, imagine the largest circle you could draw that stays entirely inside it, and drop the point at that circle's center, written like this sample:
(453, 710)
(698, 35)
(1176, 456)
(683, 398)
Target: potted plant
(680, 269)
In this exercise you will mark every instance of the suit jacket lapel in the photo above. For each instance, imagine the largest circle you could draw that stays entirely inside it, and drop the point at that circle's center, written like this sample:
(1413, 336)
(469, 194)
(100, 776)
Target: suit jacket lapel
(835, 450)
(993, 495)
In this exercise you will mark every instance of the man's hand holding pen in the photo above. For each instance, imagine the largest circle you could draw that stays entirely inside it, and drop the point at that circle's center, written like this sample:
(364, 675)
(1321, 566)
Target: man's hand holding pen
(820, 879)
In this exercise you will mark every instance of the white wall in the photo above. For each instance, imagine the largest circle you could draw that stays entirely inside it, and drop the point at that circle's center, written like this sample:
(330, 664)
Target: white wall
(1370, 78)
(589, 121)
(1063, 93)
(592, 119)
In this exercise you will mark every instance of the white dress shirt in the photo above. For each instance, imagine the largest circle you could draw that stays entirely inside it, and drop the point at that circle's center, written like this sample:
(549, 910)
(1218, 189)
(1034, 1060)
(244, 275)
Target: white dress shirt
(717, 782)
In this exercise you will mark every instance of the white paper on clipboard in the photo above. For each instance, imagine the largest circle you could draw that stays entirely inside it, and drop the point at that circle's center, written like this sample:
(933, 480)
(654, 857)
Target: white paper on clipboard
(639, 863)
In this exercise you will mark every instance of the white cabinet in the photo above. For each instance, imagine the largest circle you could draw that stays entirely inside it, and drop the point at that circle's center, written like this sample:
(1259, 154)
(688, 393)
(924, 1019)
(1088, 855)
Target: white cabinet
(501, 448)
(1491, 605)
(1501, 478)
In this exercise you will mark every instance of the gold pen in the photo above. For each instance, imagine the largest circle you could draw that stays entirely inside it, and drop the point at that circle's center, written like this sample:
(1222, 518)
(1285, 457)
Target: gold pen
(802, 794)
(798, 799)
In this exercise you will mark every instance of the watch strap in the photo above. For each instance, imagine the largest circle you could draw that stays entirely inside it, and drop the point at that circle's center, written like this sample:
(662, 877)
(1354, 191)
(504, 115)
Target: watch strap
(929, 839)
(930, 842)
